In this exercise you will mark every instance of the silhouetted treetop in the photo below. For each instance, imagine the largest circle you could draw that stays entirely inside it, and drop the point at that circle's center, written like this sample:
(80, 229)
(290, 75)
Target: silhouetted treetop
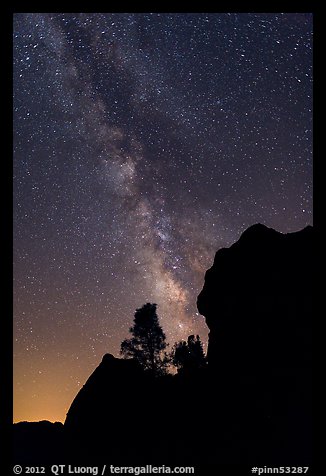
(148, 341)
(190, 354)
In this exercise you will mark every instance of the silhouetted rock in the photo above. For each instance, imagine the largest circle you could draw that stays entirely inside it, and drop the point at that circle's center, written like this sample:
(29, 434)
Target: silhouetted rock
(99, 416)
(120, 414)
(257, 301)
(109, 385)
(127, 415)
(38, 442)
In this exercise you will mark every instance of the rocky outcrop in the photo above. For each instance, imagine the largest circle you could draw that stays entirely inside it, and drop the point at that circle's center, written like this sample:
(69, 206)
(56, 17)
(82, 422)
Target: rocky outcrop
(39, 442)
(111, 384)
(122, 414)
(257, 300)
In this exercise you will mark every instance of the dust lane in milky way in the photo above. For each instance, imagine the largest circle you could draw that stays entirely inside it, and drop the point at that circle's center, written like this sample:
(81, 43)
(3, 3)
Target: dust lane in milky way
(142, 144)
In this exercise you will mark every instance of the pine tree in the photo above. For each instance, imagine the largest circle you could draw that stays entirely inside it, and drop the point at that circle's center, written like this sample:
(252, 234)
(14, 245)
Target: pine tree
(148, 342)
(188, 355)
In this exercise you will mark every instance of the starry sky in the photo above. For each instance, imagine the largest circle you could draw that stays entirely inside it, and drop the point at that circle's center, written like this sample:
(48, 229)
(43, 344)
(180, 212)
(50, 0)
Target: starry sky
(143, 143)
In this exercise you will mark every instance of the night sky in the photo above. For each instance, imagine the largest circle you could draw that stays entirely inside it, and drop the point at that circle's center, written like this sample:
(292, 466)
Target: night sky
(143, 143)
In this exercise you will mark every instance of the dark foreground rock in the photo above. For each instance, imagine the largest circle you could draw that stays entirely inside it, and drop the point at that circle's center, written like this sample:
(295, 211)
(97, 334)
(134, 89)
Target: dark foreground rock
(38, 442)
(257, 300)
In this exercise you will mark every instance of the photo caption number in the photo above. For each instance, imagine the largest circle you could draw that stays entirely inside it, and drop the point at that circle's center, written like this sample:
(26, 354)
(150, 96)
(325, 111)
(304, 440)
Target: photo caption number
(35, 470)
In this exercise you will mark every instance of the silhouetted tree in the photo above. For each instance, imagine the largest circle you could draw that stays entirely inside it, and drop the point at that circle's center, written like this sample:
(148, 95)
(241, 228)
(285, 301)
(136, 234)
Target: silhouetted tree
(188, 355)
(148, 344)
(180, 354)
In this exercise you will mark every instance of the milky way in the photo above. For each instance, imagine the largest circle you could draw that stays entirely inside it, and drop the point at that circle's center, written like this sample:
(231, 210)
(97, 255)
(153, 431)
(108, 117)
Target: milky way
(143, 143)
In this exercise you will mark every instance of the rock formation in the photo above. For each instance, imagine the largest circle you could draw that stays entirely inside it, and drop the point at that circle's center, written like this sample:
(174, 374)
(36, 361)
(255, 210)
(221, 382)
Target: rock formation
(257, 301)
(38, 443)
